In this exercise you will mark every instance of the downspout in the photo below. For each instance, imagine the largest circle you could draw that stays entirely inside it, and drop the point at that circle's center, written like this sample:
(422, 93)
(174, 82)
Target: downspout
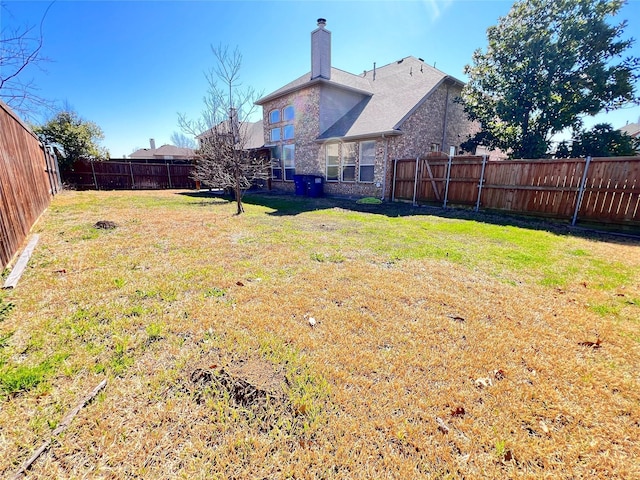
(444, 123)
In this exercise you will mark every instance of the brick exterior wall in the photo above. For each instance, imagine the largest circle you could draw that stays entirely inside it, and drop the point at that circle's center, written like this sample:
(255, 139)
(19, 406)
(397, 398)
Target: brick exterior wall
(424, 127)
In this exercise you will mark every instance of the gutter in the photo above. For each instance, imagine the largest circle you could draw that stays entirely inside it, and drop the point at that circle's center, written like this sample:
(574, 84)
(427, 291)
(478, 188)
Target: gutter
(315, 81)
(364, 136)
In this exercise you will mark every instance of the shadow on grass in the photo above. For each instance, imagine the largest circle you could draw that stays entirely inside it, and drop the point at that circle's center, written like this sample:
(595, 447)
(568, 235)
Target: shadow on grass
(285, 204)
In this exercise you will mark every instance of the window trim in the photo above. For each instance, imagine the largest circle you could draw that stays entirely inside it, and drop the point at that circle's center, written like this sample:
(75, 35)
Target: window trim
(344, 165)
(361, 164)
(335, 179)
(271, 113)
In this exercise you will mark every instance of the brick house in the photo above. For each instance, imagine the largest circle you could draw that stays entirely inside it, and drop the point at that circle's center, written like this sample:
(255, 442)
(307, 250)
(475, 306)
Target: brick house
(349, 128)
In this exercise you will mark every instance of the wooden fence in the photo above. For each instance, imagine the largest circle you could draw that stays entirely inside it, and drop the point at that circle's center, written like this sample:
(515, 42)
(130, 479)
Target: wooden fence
(603, 190)
(29, 177)
(115, 175)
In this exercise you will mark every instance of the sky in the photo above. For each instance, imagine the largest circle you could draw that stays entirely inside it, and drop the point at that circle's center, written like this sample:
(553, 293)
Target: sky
(132, 66)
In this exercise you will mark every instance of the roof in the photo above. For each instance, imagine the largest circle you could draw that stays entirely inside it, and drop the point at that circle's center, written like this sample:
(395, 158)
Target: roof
(388, 98)
(254, 138)
(255, 135)
(163, 151)
(631, 129)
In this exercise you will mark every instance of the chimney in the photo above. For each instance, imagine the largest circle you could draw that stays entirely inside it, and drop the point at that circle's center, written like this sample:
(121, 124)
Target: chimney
(152, 143)
(321, 51)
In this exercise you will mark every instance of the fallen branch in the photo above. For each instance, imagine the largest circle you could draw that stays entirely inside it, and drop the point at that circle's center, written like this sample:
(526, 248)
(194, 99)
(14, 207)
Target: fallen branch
(64, 424)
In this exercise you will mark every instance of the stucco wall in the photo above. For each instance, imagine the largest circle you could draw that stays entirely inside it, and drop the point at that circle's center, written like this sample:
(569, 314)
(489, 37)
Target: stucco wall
(334, 104)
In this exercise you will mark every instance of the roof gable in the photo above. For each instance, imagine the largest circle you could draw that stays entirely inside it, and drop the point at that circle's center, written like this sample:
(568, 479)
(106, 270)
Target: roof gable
(394, 92)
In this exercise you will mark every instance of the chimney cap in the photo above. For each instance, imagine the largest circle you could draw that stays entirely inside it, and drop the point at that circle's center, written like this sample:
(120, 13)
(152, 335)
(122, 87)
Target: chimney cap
(322, 22)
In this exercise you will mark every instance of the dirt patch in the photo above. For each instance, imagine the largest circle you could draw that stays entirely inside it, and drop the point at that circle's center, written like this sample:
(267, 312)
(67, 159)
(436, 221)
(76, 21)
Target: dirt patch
(250, 383)
(105, 225)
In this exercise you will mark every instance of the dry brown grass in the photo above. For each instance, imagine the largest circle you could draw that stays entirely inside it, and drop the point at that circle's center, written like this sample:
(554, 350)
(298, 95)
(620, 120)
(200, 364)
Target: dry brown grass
(437, 363)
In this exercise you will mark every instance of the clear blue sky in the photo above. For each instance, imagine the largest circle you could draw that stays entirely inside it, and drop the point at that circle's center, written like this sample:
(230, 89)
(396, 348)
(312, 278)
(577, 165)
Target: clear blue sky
(131, 66)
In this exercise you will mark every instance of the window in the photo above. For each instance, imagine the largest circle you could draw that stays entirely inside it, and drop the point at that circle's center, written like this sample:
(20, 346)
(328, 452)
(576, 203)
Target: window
(333, 162)
(288, 132)
(275, 134)
(288, 113)
(435, 147)
(274, 116)
(288, 158)
(349, 155)
(367, 160)
(276, 164)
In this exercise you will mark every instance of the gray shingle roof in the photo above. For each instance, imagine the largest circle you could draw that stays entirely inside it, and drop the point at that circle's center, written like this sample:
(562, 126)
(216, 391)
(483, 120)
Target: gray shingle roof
(253, 131)
(397, 90)
(161, 152)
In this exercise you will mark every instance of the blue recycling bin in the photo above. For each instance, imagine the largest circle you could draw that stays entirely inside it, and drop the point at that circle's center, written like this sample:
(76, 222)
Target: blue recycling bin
(315, 186)
(300, 184)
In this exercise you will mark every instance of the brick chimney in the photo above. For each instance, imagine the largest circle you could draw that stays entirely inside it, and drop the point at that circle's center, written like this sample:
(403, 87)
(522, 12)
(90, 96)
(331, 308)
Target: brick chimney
(321, 51)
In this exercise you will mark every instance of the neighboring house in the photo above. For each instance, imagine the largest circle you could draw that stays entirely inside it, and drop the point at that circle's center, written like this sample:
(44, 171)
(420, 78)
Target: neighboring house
(349, 128)
(253, 132)
(165, 152)
(632, 129)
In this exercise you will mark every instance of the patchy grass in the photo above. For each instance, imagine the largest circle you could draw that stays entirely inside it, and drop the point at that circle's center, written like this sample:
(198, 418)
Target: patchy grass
(443, 344)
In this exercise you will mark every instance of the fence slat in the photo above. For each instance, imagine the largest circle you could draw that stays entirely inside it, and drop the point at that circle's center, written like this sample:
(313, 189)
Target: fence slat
(113, 175)
(607, 190)
(27, 182)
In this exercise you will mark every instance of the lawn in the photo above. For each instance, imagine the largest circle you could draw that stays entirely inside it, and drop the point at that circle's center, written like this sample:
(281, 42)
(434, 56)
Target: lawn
(316, 338)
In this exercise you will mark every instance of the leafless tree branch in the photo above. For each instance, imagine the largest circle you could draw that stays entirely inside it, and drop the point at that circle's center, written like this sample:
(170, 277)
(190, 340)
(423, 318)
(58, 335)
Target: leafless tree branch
(222, 158)
(20, 48)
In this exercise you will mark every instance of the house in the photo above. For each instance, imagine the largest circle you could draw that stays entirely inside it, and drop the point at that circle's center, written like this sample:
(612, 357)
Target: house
(632, 129)
(349, 128)
(165, 152)
(253, 135)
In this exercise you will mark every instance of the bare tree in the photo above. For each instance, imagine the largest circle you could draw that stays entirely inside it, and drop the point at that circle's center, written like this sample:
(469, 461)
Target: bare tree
(222, 158)
(20, 48)
(183, 141)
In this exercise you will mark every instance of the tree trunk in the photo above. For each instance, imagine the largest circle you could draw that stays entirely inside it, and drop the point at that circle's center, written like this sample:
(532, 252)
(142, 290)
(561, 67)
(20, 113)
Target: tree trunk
(238, 190)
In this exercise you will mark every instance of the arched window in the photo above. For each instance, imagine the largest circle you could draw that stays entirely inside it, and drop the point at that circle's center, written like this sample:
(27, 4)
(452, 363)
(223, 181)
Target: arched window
(288, 113)
(274, 116)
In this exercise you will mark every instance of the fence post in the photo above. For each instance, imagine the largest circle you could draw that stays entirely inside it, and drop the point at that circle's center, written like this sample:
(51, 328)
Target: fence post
(484, 163)
(446, 185)
(581, 190)
(56, 165)
(169, 175)
(133, 181)
(415, 183)
(47, 168)
(395, 172)
(93, 170)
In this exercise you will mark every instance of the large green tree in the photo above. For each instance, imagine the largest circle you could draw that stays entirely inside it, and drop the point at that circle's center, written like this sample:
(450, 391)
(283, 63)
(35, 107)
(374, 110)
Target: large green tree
(604, 141)
(548, 64)
(75, 137)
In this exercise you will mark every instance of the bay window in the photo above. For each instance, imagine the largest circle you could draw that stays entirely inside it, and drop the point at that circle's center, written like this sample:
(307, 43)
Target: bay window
(343, 160)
